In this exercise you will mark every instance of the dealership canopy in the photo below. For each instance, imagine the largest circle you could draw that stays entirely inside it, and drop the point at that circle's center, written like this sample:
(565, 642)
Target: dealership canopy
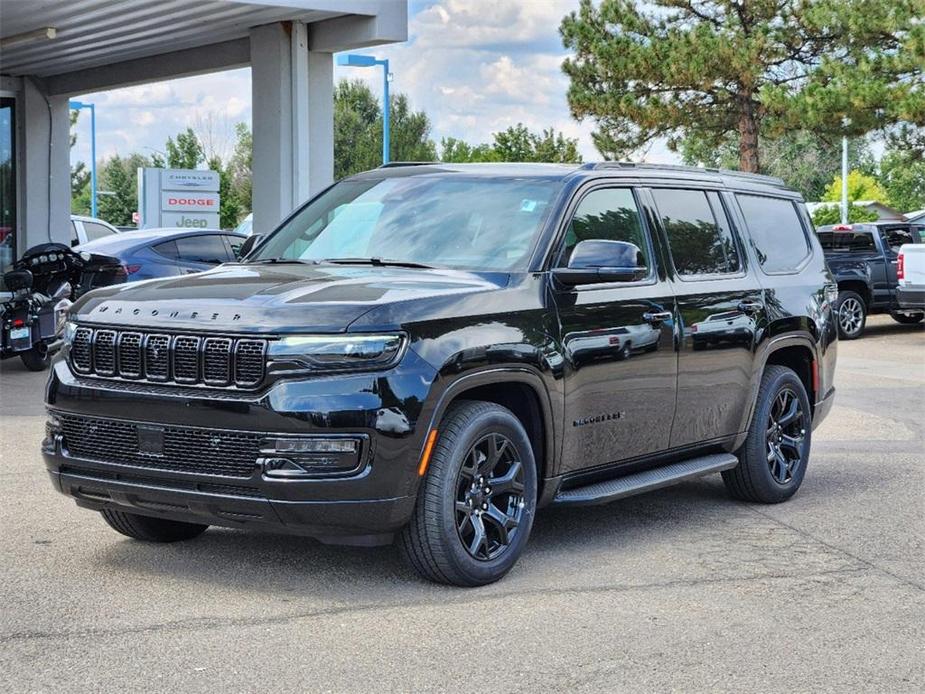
(51, 50)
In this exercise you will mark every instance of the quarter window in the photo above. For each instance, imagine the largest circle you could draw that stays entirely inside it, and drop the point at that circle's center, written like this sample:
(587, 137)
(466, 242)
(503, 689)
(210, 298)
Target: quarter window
(209, 249)
(699, 234)
(96, 231)
(777, 233)
(895, 237)
(606, 214)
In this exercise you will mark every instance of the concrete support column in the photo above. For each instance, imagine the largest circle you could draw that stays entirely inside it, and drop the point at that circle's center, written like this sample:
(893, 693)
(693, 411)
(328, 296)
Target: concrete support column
(293, 124)
(45, 203)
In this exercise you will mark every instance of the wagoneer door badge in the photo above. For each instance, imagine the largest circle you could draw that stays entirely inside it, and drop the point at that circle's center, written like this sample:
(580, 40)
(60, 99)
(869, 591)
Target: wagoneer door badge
(597, 419)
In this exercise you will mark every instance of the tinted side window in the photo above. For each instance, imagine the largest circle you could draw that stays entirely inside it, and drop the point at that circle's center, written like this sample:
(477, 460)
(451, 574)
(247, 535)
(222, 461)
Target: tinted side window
(895, 237)
(700, 244)
(96, 231)
(777, 233)
(234, 244)
(168, 249)
(606, 214)
(209, 249)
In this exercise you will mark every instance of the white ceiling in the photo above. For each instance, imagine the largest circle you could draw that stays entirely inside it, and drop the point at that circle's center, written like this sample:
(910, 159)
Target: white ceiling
(91, 33)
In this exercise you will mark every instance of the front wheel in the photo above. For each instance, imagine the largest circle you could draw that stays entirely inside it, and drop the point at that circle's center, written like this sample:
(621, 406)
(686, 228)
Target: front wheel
(151, 529)
(773, 460)
(907, 318)
(36, 359)
(852, 314)
(476, 504)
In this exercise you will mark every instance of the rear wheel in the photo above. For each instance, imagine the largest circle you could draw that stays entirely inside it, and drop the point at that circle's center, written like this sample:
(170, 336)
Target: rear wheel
(773, 460)
(36, 359)
(151, 529)
(852, 314)
(476, 504)
(907, 318)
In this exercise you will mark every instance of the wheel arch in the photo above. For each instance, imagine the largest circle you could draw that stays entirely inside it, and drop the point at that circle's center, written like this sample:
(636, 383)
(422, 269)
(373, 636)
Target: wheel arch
(523, 392)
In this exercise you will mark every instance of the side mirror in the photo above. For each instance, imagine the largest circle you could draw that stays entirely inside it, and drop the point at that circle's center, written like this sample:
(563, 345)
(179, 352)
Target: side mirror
(593, 262)
(62, 292)
(249, 243)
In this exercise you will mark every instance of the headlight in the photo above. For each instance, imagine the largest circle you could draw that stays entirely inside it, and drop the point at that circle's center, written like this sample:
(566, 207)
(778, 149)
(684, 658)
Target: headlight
(70, 327)
(339, 352)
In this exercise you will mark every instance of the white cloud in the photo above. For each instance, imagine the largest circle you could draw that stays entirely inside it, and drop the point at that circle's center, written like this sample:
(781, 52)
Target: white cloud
(475, 67)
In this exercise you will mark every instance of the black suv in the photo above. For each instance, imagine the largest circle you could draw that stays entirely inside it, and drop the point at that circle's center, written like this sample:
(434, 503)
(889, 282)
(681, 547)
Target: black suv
(436, 351)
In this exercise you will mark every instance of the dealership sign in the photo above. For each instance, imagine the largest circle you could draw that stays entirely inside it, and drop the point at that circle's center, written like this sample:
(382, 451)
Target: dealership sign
(178, 198)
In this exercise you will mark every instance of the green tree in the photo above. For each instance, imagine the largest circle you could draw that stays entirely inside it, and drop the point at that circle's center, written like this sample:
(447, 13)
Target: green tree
(457, 151)
(229, 205)
(860, 187)
(516, 143)
(80, 175)
(831, 214)
(239, 167)
(902, 175)
(712, 68)
(118, 182)
(805, 161)
(185, 152)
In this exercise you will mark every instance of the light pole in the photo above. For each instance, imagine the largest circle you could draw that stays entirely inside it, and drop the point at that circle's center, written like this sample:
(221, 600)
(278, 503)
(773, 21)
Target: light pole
(77, 106)
(357, 60)
(844, 173)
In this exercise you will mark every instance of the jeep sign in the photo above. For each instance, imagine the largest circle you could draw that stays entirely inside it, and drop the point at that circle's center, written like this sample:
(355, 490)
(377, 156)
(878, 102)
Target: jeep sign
(185, 198)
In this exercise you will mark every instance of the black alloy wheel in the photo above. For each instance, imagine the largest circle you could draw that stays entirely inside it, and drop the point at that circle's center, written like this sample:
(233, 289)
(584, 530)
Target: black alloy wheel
(786, 436)
(489, 497)
(774, 458)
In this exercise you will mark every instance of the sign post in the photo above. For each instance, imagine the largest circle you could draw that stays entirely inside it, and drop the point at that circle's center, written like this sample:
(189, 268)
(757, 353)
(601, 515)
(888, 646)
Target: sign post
(178, 198)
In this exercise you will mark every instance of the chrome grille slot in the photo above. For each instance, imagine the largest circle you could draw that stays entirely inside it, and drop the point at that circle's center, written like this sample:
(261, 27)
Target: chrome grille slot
(216, 361)
(130, 355)
(221, 362)
(186, 359)
(157, 357)
(81, 356)
(249, 362)
(104, 352)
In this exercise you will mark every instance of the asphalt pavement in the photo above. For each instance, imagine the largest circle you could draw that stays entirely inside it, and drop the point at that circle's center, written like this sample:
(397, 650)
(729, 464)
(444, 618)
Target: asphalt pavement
(678, 590)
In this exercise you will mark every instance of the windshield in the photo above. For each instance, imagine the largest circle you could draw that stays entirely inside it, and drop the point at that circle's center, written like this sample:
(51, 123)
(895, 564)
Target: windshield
(472, 223)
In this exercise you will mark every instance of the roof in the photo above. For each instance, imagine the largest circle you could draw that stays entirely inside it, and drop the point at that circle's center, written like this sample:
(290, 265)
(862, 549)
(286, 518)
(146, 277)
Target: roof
(591, 169)
(916, 216)
(117, 243)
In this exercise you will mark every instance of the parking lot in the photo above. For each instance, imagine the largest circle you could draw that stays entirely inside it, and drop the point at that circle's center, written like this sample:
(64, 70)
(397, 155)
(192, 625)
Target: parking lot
(680, 589)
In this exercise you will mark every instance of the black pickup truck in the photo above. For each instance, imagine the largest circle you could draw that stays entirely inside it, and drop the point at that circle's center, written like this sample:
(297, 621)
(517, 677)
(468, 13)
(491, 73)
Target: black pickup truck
(863, 259)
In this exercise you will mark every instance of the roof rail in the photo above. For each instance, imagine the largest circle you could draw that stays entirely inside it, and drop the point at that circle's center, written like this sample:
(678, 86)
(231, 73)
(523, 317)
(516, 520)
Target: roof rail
(595, 166)
(393, 164)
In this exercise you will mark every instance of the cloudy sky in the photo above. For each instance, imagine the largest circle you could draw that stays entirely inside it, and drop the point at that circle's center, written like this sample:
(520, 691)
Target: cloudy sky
(475, 67)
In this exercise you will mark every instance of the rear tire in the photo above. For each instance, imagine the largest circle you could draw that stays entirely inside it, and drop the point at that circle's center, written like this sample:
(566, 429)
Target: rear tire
(773, 460)
(851, 312)
(151, 529)
(476, 504)
(36, 359)
(907, 318)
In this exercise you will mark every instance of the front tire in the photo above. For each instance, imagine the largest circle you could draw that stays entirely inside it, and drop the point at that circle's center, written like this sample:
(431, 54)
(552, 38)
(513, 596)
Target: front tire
(852, 314)
(773, 460)
(476, 504)
(150, 529)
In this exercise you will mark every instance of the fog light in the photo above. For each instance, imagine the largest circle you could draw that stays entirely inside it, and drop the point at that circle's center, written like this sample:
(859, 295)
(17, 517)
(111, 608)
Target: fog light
(310, 456)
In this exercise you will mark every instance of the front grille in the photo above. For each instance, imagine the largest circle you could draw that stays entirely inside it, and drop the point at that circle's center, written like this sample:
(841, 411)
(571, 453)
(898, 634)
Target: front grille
(185, 449)
(183, 359)
(183, 485)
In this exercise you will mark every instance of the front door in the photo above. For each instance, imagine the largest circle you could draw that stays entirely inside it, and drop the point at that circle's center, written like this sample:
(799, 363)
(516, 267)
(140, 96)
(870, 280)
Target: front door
(617, 338)
(721, 307)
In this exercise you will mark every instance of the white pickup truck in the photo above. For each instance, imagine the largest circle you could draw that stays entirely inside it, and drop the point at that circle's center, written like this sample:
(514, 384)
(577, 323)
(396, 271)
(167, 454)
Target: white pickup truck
(910, 275)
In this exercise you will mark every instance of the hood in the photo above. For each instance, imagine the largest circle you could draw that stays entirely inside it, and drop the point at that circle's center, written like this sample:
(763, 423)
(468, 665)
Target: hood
(273, 298)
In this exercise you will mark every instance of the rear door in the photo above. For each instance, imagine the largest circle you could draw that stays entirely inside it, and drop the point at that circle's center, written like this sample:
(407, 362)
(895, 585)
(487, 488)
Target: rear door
(621, 366)
(720, 305)
(892, 238)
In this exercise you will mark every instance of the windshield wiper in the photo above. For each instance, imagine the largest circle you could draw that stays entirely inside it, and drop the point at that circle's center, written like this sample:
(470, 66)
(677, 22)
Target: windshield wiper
(378, 262)
(281, 261)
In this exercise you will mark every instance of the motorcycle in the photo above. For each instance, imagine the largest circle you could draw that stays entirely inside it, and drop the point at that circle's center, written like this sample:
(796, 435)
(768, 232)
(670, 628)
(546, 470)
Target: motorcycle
(43, 284)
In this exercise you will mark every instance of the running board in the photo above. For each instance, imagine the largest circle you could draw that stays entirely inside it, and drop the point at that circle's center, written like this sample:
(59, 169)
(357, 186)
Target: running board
(641, 482)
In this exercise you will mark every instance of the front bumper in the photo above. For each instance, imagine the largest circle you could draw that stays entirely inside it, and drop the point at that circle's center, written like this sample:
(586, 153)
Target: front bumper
(366, 506)
(911, 298)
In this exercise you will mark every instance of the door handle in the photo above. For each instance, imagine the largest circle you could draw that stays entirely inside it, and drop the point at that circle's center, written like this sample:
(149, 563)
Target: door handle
(750, 307)
(655, 318)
